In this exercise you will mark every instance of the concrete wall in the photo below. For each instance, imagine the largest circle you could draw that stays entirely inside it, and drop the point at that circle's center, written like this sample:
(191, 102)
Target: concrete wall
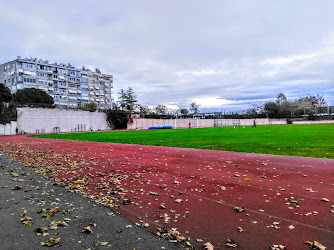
(41, 120)
(313, 122)
(8, 129)
(201, 123)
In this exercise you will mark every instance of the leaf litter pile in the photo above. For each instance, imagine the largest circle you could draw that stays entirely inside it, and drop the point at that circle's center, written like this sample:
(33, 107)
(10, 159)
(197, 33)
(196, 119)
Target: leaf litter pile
(195, 198)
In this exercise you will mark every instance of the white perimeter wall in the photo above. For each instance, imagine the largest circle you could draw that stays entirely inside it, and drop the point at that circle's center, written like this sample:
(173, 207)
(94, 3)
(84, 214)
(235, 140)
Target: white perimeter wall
(313, 122)
(42, 120)
(8, 129)
(201, 123)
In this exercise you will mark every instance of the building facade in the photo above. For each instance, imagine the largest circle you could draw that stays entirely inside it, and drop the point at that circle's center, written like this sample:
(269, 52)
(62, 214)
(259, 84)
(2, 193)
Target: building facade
(70, 87)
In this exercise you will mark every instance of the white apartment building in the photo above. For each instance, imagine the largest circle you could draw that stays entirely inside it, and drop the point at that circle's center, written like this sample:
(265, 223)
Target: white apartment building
(70, 87)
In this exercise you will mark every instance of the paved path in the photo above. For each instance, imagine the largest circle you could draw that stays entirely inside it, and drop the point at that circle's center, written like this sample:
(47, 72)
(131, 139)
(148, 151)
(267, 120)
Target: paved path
(24, 193)
(287, 200)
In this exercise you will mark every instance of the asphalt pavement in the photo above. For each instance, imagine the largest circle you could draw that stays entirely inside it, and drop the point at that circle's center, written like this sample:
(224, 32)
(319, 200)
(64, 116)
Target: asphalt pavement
(35, 213)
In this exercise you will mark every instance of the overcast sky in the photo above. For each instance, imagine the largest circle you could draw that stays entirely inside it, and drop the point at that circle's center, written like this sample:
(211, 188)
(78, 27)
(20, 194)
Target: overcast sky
(228, 55)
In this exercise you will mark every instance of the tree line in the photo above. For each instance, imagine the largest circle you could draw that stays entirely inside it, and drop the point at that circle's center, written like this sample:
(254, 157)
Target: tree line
(29, 96)
(304, 106)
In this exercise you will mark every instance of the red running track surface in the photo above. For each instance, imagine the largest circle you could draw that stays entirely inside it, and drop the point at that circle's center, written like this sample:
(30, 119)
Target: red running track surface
(199, 189)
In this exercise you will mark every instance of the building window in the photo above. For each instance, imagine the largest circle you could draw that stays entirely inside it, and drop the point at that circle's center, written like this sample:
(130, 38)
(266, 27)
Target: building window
(84, 80)
(42, 82)
(44, 67)
(29, 65)
(41, 74)
(26, 79)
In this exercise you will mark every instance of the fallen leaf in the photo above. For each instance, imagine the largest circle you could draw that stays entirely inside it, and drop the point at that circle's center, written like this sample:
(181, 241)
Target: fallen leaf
(277, 247)
(231, 243)
(126, 201)
(315, 245)
(26, 219)
(62, 223)
(239, 209)
(208, 246)
(41, 230)
(52, 212)
(154, 193)
(87, 230)
(50, 242)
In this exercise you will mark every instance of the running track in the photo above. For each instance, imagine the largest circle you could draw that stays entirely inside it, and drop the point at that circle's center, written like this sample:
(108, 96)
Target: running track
(195, 191)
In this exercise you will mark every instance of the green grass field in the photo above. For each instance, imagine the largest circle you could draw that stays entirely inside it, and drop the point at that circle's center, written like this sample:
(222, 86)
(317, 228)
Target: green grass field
(294, 140)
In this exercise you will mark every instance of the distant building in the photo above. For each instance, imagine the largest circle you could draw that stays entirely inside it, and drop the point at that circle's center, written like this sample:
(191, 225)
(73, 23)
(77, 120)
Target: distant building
(70, 87)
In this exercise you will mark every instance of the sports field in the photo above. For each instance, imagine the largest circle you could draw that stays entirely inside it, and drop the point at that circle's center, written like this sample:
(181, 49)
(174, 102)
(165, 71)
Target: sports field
(292, 140)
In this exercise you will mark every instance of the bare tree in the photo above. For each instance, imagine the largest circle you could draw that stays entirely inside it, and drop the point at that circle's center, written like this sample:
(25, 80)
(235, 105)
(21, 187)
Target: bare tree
(194, 107)
(161, 109)
(281, 98)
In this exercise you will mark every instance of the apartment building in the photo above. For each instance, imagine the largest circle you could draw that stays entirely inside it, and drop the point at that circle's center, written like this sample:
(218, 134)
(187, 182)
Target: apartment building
(70, 87)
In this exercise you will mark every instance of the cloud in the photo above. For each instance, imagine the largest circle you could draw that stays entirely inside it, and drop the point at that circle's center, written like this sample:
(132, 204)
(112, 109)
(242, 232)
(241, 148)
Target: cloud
(224, 54)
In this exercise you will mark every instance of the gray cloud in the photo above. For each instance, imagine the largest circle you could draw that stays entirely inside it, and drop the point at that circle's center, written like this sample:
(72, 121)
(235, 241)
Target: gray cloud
(232, 54)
